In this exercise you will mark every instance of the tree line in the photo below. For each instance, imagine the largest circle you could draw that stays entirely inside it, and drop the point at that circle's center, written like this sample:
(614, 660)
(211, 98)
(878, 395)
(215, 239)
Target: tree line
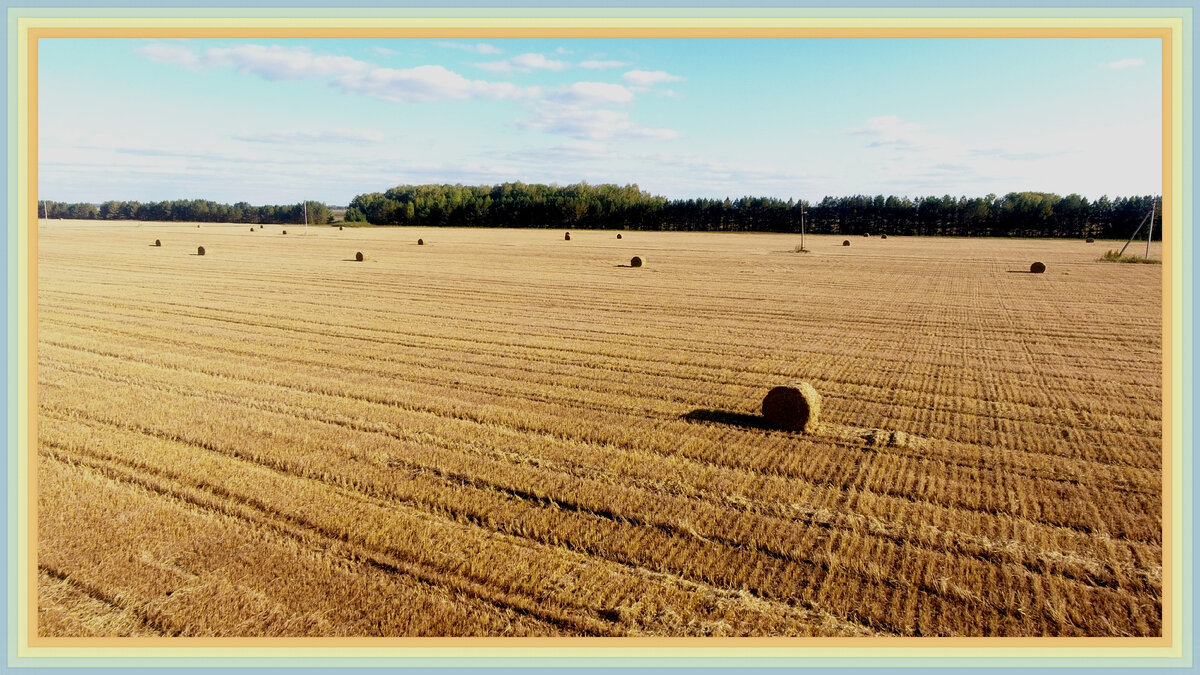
(584, 206)
(189, 210)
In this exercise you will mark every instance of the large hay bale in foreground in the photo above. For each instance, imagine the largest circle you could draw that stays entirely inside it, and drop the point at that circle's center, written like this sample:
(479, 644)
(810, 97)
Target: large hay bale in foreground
(158, 242)
(846, 242)
(795, 406)
(635, 262)
(200, 250)
(358, 256)
(567, 236)
(1037, 268)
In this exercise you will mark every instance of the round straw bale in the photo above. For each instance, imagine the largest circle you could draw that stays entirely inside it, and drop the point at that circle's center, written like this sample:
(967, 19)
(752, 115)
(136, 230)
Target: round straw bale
(197, 227)
(618, 235)
(358, 256)
(567, 236)
(866, 234)
(420, 242)
(846, 242)
(883, 236)
(340, 228)
(285, 231)
(252, 229)
(795, 406)
(1037, 268)
(1090, 240)
(635, 262)
(158, 242)
(200, 250)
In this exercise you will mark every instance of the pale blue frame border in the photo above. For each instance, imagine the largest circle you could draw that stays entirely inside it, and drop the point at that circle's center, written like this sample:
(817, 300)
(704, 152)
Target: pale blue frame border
(543, 7)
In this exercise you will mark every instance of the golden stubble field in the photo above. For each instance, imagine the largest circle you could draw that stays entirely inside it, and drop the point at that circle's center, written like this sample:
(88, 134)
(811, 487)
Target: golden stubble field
(504, 433)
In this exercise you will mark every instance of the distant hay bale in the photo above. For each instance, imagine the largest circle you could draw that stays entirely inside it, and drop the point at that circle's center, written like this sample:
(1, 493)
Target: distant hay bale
(1037, 268)
(358, 256)
(795, 406)
(1090, 240)
(340, 228)
(846, 242)
(567, 236)
(618, 235)
(200, 250)
(157, 242)
(197, 227)
(866, 234)
(285, 231)
(252, 229)
(883, 236)
(635, 262)
(420, 242)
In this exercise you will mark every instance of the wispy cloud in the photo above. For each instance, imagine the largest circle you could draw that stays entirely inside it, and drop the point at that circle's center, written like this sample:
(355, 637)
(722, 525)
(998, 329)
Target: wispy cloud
(476, 48)
(1124, 63)
(422, 84)
(648, 78)
(427, 84)
(593, 124)
(171, 54)
(597, 64)
(522, 63)
(271, 62)
(323, 136)
(891, 131)
(588, 93)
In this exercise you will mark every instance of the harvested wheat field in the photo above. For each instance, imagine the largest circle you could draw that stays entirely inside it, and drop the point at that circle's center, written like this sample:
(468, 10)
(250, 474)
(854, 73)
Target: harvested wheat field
(506, 434)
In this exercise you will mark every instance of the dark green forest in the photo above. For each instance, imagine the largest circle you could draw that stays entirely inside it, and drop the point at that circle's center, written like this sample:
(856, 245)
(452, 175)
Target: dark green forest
(189, 210)
(583, 206)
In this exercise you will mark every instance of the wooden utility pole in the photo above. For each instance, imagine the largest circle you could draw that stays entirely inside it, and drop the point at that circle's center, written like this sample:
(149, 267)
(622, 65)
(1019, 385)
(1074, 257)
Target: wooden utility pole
(802, 212)
(1150, 234)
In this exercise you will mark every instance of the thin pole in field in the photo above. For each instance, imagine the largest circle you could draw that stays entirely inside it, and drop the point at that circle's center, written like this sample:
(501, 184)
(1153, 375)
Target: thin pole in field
(802, 212)
(1150, 234)
(306, 218)
(1135, 233)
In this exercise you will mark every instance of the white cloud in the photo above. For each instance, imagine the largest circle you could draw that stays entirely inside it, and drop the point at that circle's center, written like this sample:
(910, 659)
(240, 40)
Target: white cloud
(427, 84)
(325, 136)
(648, 78)
(271, 62)
(597, 64)
(586, 93)
(1124, 63)
(383, 51)
(422, 84)
(522, 63)
(171, 54)
(891, 131)
(274, 62)
(477, 48)
(594, 124)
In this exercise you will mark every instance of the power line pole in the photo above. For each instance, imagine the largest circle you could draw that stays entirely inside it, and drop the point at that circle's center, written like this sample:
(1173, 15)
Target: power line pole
(306, 217)
(1150, 234)
(1139, 229)
(802, 212)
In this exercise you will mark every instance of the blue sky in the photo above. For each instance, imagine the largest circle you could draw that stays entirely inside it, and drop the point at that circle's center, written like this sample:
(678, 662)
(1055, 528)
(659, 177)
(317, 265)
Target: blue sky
(277, 121)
